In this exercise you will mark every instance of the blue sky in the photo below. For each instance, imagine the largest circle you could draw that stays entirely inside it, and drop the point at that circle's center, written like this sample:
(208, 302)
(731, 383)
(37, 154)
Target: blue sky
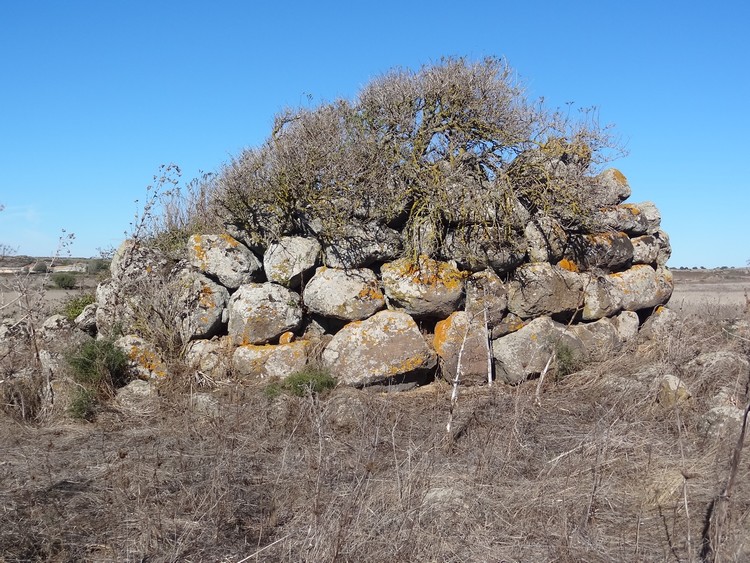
(96, 94)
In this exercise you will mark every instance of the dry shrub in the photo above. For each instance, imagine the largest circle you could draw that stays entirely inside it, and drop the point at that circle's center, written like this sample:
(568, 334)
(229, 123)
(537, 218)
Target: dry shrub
(454, 143)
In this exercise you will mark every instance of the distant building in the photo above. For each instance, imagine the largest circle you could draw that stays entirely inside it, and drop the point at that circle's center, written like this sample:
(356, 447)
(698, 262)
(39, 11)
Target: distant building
(78, 267)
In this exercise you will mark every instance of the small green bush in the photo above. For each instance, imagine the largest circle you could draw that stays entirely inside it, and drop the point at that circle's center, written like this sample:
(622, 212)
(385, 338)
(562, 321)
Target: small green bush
(64, 280)
(99, 364)
(567, 360)
(39, 268)
(83, 404)
(74, 306)
(272, 390)
(310, 379)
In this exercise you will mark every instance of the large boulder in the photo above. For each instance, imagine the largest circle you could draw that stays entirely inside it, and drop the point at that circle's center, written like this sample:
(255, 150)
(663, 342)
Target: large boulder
(642, 286)
(456, 339)
(136, 271)
(610, 251)
(543, 289)
(476, 247)
(362, 244)
(486, 294)
(546, 239)
(349, 295)
(423, 288)
(665, 248)
(289, 260)
(270, 360)
(261, 312)
(387, 347)
(525, 353)
(600, 297)
(203, 305)
(645, 249)
(635, 219)
(600, 338)
(210, 358)
(610, 188)
(145, 360)
(224, 258)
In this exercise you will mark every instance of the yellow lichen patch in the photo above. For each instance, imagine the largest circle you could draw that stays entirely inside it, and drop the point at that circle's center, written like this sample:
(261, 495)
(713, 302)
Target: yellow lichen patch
(231, 241)
(569, 265)
(619, 177)
(147, 360)
(200, 252)
(371, 291)
(632, 208)
(426, 271)
(442, 334)
(205, 299)
(286, 338)
(409, 364)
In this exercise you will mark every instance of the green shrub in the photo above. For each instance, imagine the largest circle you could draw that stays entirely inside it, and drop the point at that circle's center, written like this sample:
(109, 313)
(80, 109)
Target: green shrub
(64, 280)
(39, 268)
(83, 404)
(272, 390)
(568, 360)
(309, 380)
(74, 306)
(99, 364)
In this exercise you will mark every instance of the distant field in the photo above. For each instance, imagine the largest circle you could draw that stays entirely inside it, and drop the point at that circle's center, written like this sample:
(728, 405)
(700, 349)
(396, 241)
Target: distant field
(52, 296)
(719, 293)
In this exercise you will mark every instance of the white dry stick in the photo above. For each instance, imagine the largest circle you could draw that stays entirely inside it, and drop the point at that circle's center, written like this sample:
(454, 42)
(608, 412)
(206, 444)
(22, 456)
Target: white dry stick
(456, 381)
(487, 341)
(537, 393)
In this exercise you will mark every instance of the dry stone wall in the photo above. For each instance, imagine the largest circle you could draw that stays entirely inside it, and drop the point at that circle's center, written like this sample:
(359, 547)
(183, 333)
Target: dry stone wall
(484, 299)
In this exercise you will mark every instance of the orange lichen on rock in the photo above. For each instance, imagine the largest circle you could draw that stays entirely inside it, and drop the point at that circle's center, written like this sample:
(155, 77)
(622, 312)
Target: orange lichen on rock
(371, 291)
(427, 271)
(632, 208)
(286, 338)
(205, 299)
(200, 252)
(569, 265)
(619, 177)
(442, 334)
(231, 241)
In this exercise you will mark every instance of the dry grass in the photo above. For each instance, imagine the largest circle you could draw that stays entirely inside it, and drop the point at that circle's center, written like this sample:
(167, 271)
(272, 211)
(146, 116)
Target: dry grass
(599, 471)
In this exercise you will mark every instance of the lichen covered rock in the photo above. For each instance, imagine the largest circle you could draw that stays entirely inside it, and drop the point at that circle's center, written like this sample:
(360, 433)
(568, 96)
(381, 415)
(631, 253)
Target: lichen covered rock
(456, 339)
(261, 312)
(525, 353)
(486, 294)
(642, 287)
(349, 295)
(287, 261)
(203, 302)
(386, 347)
(543, 289)
(423, 288)
(224, 258)
(145, 361)
(546, 239)
(610, 188)
(270, 360)
(609, 251)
